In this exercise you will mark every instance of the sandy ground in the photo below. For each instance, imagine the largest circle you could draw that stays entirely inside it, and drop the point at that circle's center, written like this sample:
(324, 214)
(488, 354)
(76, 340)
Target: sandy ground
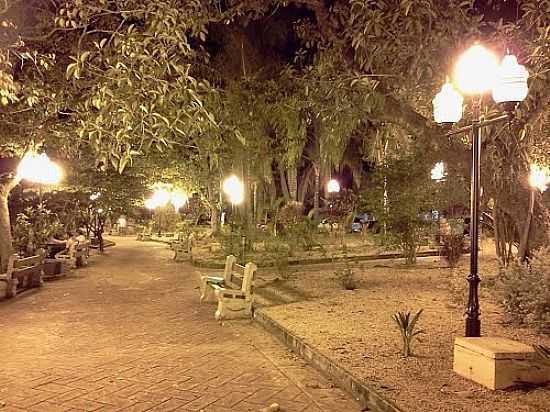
(355, 328)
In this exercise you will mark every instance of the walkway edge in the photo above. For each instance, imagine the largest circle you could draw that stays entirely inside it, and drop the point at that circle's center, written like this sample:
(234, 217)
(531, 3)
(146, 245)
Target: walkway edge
(365, 395)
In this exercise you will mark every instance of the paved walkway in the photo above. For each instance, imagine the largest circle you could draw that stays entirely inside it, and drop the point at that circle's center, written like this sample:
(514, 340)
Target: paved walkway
(127, 333)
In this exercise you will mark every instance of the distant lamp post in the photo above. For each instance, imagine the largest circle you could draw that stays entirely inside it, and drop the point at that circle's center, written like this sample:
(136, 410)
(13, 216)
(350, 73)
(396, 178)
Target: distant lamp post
(476, 73)
(332, 187)
(538, 181)
(539, 178)
(234, 189)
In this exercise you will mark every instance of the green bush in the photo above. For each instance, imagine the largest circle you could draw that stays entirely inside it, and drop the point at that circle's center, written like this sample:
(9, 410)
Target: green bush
(452, 248)
(524, 291)
(34, 228)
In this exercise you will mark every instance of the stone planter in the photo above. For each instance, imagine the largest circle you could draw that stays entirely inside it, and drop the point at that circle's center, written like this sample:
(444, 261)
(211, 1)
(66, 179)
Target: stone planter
(53, 267)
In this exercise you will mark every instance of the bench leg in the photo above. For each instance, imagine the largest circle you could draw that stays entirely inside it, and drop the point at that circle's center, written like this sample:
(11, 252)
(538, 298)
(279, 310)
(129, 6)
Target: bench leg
(36, 280)
(208, 294)
(11, 288)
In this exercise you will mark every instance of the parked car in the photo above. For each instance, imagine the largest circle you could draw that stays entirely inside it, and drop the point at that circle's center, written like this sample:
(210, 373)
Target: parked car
(362, 220)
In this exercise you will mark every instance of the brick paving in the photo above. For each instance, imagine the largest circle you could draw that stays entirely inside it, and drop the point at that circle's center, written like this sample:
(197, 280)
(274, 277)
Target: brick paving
(127, 333)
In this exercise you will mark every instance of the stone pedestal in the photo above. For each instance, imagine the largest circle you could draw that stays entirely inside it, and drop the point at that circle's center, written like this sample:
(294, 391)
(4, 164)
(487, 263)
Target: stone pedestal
(498, 363)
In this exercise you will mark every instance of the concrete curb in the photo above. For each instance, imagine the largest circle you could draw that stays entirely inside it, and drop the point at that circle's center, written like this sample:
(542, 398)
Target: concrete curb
(215, 264)
(365, 395)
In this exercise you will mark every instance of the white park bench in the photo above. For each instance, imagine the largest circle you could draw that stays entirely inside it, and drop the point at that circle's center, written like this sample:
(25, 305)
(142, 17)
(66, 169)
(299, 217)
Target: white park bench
(182, 247)
(23, 273)
(145, 234)
(77, 256)
(234, 292)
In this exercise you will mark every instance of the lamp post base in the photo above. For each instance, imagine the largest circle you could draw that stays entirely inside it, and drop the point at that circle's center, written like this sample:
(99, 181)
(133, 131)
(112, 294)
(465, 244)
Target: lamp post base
(473, 328)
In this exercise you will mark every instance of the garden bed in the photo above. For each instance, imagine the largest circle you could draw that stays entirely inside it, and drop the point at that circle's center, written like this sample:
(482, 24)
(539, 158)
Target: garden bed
(355, 329)
(212, 255)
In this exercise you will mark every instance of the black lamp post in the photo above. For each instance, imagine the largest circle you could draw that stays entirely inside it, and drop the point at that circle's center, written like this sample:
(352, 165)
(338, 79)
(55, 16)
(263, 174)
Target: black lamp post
(477, 72)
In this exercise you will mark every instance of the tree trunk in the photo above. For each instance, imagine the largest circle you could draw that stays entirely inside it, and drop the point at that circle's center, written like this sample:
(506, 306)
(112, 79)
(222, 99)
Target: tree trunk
(214, 209)
(284, 186)
(292, 174)
(6, 241)
(523, 248)
(306, 181)
(317, 190)
(214, 219)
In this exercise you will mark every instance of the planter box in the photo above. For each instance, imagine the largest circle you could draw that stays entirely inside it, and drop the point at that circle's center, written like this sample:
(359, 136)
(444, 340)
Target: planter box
(498, 363)
(53, 267)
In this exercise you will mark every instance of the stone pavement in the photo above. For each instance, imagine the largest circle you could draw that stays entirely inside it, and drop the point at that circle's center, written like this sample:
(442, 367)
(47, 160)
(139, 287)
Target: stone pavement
(127, 333)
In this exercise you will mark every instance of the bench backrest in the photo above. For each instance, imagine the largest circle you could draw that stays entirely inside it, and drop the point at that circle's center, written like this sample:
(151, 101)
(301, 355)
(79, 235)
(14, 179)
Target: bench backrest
(15, 262)
(238, 276)
(230, 262)
(248, 278)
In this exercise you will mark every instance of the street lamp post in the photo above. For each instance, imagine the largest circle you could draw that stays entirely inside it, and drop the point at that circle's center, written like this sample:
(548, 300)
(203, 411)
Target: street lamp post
(538, 181)
(332, 187)
(233, 188)
(477, 72)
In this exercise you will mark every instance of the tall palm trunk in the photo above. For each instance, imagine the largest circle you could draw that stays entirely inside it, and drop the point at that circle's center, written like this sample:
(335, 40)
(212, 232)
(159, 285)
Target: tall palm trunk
(284, 186)
(292, 174)
(317, 189)
(523, 248)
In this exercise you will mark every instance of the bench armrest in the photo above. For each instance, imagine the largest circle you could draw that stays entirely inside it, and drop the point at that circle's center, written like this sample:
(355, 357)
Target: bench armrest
(228, 293)
(215, 280)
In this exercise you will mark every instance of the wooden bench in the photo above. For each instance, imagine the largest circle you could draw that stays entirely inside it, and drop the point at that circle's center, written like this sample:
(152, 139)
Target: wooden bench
(145, 235)
(77, 256)
(23, 273)
(234, 292)
(182, 247)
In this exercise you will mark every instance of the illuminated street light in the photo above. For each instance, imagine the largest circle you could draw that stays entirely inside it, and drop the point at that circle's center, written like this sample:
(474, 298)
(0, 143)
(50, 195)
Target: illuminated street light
(333, 186)
(161, 197)
(448, 105)
(438, 172)
(150, 204)
(476, 72)
(39, 169)
(538, 178)
(233, 188)
(178, 199)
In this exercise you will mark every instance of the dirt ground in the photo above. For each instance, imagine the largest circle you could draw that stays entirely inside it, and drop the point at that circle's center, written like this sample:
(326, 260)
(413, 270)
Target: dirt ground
(355, 328)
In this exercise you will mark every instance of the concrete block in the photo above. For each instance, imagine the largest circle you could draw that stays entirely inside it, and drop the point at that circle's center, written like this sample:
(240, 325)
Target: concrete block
(498, 363)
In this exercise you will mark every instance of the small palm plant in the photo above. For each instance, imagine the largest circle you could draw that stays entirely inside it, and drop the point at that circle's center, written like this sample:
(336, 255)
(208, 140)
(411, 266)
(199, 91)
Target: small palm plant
(406, 322)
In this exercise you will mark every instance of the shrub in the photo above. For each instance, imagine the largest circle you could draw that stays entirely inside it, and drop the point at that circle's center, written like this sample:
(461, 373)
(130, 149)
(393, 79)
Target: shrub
(458, 288)
(452, 248)
(347, 279)
(278, 251)
(524, 291)
(34, 228)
